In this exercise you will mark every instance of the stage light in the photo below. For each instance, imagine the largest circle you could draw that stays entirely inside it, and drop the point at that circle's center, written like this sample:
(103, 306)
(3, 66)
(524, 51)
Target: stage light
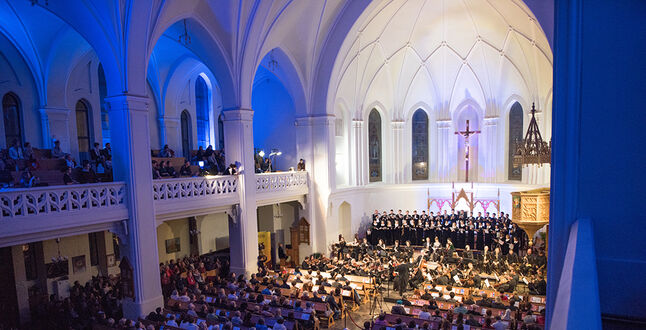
(261, 153)
(200, 164)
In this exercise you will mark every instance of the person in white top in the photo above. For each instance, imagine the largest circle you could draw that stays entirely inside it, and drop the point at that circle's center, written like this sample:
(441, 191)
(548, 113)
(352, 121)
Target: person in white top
(499, 324)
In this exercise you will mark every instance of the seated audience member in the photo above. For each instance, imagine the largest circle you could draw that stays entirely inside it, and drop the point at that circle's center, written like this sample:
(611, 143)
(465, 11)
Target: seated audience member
(15, 151)
(301, 165)
(186, 169)
(95, 154)
(168, 168)
(27, 179)
(424, 314)
(67, 176)
(56, 151)
(5, 174)
(232, 170)
(166, 152)
(28, 151)
(69, 161)
(499, 324)
(155, 169)
(87, 174)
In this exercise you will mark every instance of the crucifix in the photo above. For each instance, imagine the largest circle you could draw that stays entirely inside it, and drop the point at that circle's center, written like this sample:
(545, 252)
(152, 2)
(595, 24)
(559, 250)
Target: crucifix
(466, 135)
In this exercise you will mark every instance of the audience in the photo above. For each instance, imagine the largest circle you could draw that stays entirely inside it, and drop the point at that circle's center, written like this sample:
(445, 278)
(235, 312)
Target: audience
(56, 151)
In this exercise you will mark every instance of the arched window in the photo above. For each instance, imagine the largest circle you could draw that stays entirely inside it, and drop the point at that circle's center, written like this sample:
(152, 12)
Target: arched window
(11, 114)
(186, 134)
(202, 111)
(374, 146)
(515, 134)
(420, 145)
(221, 132)
(83, 129)
(103, 93)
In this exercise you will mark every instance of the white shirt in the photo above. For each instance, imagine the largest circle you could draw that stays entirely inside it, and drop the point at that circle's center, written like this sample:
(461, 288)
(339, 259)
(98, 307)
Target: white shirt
(425, 315)
(499, 325)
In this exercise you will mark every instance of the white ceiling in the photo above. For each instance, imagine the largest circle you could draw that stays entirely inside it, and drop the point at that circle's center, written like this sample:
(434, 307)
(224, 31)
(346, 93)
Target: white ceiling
(439, 54)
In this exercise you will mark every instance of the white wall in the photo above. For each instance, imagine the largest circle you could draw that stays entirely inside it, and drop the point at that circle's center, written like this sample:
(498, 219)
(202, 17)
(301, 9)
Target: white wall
(214, 232)
(171, 229)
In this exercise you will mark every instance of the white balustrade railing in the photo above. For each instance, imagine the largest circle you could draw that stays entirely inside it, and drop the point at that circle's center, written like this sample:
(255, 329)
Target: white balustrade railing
(60, 200)
(193, 188)
(281, 182)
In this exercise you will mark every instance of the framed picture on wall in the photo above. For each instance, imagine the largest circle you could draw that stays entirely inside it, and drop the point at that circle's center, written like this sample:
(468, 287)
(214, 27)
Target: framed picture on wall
(57, 269)
(112, 261)
(172, 245)
(78, 264)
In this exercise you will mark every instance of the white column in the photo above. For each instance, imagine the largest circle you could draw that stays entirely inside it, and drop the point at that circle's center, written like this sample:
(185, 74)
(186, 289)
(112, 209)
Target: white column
(243, 223)
(316, 145)
(397, 147)
(131, 163)
(445, 150)
(488, 151)
(357, 146)
(55, 125)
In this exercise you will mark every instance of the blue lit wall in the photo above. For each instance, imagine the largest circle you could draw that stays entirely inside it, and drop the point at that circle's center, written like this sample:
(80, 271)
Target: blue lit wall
(273, 120)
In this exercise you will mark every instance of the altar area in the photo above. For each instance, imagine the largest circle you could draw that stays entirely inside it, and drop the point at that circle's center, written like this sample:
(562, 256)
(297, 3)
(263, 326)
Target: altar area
(350, 209)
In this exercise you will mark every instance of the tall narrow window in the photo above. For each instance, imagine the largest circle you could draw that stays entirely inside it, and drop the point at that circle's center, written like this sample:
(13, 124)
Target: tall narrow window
(105, 120)
(515, 134)
(374, 146)
(202, 111)
(11, 114)
(83, 129)
(221, 132)
(420, 145)
(186, 134)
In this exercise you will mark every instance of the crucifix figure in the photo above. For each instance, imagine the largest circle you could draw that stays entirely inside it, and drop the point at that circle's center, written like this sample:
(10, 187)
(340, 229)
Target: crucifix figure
(466, 135)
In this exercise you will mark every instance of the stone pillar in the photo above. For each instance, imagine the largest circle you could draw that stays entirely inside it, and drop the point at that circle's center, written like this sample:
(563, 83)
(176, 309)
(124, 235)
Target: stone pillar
(161, 121)
(488, 151)
(397, 147)
(243, 222)
(316, 145)
(446, 152)
(55, 125)
(356, 153)
(131, 163)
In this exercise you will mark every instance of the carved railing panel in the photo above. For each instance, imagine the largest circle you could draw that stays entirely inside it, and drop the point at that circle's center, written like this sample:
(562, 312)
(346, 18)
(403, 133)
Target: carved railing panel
(192, 188)
(58, 200)
(281, 182)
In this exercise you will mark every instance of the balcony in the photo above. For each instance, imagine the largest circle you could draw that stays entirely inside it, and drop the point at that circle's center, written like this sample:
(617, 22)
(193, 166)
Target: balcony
(35, 213)
(281, 187)
(183, 197)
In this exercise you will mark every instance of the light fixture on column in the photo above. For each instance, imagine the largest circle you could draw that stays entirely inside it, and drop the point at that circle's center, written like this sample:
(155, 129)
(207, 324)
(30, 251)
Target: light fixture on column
(184, 37)
(532, 150)
(272, 64)
(59, 258)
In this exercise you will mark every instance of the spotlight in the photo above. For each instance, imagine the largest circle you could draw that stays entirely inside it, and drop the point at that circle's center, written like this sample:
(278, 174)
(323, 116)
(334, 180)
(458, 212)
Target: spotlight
(201, 163)
(261, 153)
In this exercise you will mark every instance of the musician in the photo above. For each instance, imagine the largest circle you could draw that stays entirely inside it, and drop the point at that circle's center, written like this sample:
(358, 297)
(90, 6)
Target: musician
(467, 253)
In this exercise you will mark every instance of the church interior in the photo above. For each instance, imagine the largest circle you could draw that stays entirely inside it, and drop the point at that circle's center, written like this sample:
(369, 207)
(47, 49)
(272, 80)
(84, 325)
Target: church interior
(341, 164)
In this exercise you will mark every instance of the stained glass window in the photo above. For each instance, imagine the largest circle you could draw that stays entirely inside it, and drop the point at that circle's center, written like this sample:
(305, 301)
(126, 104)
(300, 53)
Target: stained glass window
(420, 145)
(374, 146)
(515, 134)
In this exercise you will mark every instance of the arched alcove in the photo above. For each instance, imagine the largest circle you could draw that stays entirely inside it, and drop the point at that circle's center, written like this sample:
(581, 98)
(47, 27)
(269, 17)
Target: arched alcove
(375, 147)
